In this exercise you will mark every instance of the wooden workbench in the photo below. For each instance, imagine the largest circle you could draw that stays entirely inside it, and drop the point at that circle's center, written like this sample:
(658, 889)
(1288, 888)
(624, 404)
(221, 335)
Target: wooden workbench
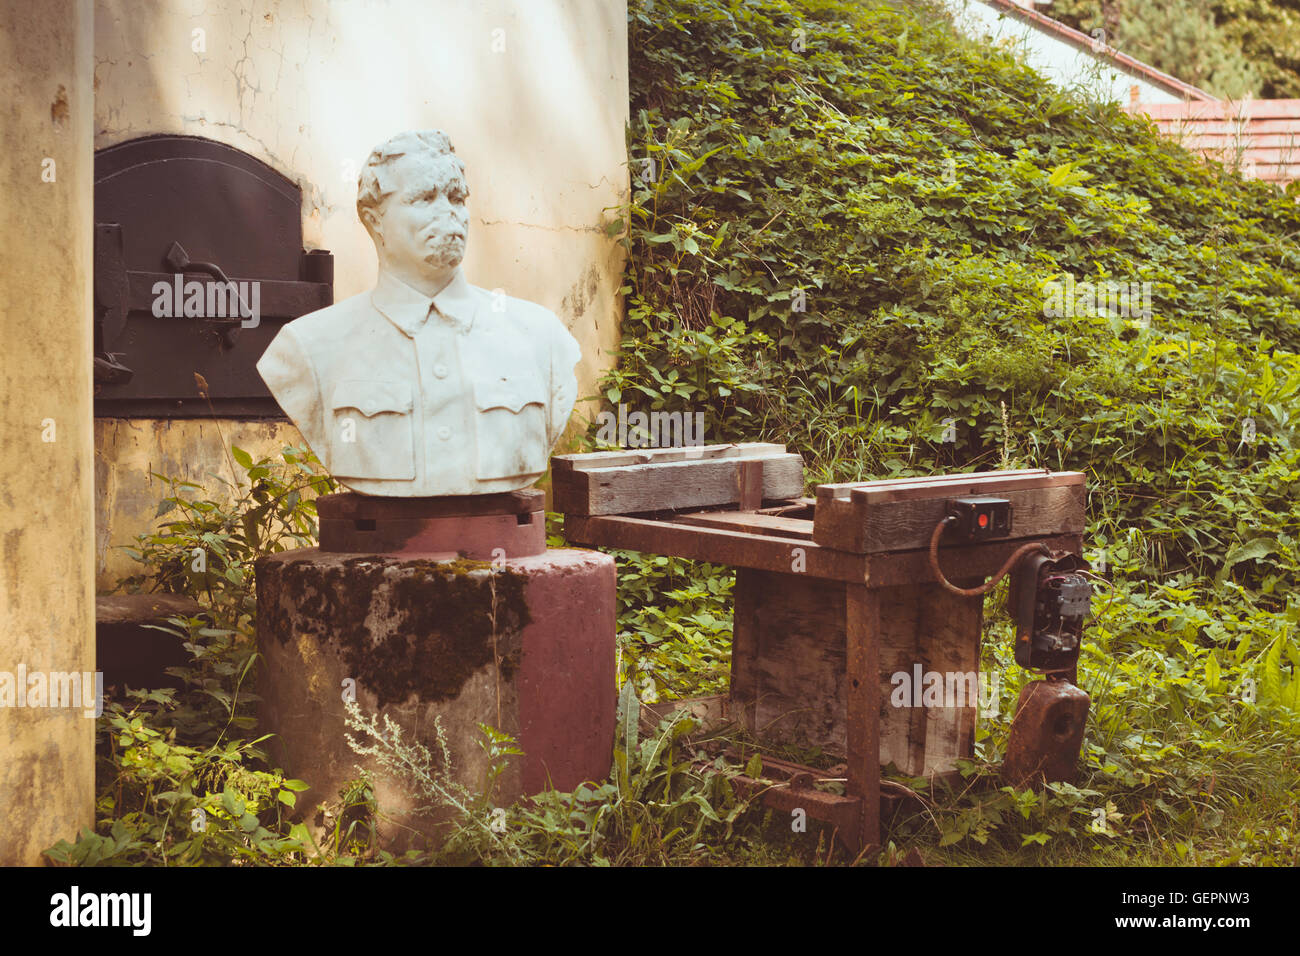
(834, 594)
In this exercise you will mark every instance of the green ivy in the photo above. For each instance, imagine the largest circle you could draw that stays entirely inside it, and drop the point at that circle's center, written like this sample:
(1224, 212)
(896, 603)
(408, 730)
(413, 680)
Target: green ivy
(844, 227)
(916, 193)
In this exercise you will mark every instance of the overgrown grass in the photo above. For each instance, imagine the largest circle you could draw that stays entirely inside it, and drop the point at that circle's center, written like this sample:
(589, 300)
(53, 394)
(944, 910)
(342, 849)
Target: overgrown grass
(847, 244)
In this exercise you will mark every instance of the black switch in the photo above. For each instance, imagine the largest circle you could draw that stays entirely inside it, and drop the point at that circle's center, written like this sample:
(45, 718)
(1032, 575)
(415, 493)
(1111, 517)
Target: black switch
(979, 519)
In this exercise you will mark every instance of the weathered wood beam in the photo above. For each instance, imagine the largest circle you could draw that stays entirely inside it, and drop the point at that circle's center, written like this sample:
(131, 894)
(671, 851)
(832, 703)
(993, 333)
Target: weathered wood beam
(878, 517)
(766, 552)
(862, 632)
(719, 546)
(650, 456)
(674, 484)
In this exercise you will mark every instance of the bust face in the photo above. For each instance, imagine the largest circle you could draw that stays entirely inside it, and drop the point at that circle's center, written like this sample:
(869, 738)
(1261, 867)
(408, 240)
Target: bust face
(423, 224)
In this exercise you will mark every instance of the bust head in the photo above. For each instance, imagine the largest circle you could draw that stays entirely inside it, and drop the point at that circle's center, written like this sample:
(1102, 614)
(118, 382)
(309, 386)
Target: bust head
(411, 199)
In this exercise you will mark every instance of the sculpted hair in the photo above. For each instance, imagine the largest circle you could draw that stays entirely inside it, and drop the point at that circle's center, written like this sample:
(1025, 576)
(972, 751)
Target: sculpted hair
(377, 182)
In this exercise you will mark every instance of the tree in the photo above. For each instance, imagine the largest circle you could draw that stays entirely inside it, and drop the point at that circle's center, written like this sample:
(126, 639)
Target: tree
(1198, 41)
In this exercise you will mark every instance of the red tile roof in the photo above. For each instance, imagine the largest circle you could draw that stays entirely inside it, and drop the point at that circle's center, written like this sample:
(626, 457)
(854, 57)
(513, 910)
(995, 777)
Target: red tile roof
(1261, 138)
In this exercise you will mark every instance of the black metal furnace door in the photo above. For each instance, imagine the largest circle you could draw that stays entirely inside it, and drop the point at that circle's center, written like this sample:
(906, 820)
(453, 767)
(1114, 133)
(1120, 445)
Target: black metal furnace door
(181, 205)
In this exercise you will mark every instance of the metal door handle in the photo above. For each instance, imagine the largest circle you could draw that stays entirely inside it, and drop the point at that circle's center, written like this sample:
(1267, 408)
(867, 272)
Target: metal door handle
(178, 260)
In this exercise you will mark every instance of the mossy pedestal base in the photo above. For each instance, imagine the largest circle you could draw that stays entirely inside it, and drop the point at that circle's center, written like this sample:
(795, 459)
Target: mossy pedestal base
(526, 646)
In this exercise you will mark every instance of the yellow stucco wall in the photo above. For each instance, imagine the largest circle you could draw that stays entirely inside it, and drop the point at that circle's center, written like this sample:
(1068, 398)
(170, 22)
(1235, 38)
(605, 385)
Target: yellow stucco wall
(533, 93)
(130, 451)
(46, 571)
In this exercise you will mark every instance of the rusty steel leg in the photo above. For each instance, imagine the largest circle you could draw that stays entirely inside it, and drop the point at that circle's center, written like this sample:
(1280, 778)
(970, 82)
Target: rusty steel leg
(862, 630)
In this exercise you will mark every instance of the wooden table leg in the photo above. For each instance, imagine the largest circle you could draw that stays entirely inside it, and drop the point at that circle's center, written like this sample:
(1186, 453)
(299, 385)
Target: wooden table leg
(746, 644)
(862, 629)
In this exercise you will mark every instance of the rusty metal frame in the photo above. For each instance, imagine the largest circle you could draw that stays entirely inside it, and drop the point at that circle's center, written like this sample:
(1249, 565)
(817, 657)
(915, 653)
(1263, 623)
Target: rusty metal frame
(794, 789)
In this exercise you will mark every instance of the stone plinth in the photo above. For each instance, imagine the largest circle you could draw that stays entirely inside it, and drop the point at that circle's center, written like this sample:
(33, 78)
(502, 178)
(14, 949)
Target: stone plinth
(525, 645)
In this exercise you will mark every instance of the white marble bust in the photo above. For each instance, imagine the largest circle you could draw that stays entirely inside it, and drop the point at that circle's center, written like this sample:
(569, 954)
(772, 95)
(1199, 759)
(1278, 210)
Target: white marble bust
(424, 385)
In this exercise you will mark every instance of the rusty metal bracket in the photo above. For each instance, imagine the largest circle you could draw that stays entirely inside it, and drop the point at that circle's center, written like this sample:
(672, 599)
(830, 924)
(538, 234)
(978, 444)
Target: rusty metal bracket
(790, 786)
(1046, 733)
(178, 260)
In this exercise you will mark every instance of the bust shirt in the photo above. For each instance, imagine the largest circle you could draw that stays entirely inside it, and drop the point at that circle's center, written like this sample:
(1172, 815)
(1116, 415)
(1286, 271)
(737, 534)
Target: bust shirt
(402, 395)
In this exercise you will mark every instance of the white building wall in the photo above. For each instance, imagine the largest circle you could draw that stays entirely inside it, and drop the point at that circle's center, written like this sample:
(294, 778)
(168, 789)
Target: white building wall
(1062, 62)
(534, 94)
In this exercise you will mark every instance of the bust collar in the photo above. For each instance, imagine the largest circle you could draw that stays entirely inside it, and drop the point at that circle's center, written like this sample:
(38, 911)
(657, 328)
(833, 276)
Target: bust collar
(408, 309)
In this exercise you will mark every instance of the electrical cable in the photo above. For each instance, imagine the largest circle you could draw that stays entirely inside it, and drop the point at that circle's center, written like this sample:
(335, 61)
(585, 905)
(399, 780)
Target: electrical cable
(992, 582)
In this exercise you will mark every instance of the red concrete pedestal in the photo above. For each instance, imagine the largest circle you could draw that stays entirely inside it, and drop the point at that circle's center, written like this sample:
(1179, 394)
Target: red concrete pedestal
(524, 644)
(478, 527)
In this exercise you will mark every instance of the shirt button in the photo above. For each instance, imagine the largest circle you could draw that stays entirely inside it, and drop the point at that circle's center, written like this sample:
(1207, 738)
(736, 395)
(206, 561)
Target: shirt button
(444, 432)
(440, 371)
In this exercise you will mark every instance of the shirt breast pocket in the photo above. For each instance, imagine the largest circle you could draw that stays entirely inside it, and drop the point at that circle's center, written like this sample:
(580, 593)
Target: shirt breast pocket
(511, 426)
(372, 434)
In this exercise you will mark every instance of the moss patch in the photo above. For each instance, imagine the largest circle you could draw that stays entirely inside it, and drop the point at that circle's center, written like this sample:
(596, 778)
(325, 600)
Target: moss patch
(403, 627)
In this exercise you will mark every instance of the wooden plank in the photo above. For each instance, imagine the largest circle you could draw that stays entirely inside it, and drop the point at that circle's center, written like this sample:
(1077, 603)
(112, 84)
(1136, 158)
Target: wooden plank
(793, 508)
(612, 459)
(1258, 154)
(948, 630)
(902, 729)
(904, 525)
(749, 483)
(793, 628)
(924, 630)
(862, 673)
(1254, 144)
(994, 483)
(665, 486)
(131, 609)
(1222, 108)
(767, 553)
(974, 561)
(789, 667)
(900, 519)
(757, 523)
(737, 548)
(1218, 126)
(843, 489)
(975, 483)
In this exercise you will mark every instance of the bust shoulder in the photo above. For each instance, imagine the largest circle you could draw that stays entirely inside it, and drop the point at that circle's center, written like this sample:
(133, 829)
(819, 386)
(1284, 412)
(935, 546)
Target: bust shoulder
(333, 319)
(525, 316)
